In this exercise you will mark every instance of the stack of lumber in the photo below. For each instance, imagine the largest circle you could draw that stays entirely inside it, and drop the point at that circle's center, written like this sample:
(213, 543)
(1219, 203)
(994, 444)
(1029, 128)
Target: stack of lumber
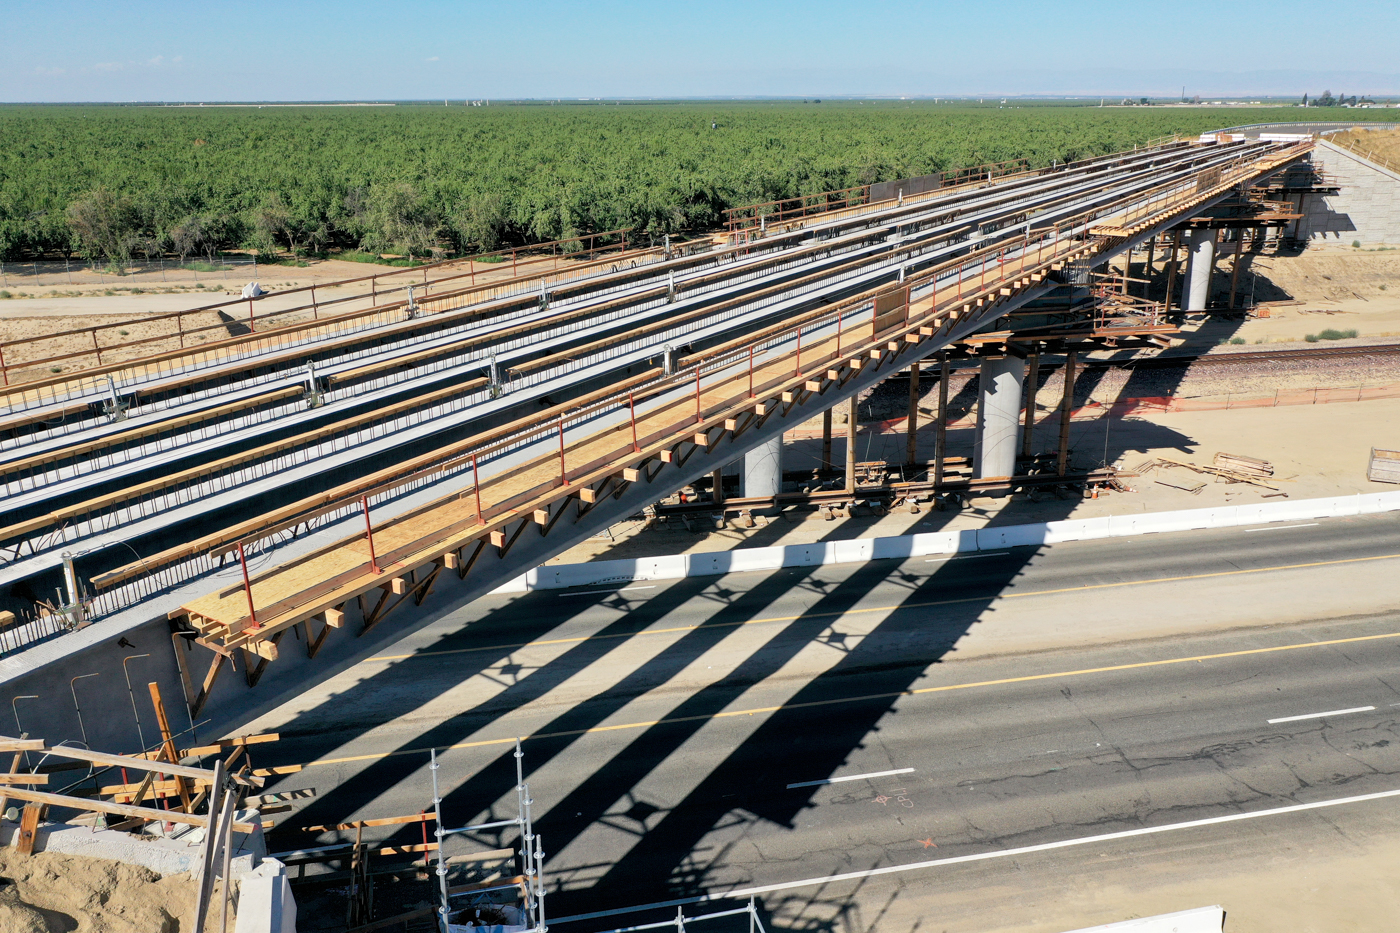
(1229, 475)
(1234, 463)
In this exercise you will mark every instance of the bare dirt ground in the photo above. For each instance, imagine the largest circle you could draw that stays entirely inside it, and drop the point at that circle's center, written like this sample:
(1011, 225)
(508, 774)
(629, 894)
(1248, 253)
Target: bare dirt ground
(48, 893)
(37, 303)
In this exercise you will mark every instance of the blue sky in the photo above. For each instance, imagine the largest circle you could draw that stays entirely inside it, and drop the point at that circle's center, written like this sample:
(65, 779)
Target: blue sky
(412, 49)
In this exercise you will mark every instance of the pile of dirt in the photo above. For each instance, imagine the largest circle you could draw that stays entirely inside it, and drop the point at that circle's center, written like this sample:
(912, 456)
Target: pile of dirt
(51, 893)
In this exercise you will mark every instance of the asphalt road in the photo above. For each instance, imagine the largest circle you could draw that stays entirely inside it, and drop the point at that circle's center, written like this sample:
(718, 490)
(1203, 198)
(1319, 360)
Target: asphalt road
(957, 707)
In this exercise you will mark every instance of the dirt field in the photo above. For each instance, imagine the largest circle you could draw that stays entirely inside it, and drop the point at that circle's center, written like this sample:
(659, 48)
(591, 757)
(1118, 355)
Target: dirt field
(51, 893)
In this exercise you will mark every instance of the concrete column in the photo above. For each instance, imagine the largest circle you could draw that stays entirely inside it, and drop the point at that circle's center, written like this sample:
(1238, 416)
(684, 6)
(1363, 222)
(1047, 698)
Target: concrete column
(1200, 245)
(998, 416)
(763, 469)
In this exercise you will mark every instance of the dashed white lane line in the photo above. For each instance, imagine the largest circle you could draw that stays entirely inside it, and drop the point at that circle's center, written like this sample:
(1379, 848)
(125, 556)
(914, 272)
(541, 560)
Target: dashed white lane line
(1282, 527)
(596, 592)
(1334, 712)
(851, 777)
(939, 560)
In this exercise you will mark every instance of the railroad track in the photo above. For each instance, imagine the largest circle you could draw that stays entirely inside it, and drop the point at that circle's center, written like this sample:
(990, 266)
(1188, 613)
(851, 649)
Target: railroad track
(1245, 357)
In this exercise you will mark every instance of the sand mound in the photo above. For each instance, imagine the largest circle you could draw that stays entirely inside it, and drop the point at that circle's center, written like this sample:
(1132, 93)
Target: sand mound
(51, 893)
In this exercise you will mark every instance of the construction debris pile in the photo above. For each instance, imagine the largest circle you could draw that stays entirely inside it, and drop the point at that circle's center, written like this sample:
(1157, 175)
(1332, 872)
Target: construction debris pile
(1225, 468)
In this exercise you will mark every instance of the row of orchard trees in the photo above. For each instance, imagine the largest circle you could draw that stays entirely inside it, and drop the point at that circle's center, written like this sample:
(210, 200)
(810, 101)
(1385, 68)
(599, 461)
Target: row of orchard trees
(116, 183)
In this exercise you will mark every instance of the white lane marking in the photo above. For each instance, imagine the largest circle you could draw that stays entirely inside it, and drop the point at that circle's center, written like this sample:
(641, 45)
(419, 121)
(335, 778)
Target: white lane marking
(595, 592)
(1282, 527)
(1334, 712)
(939, 560)
(983, 856)
(853, 777)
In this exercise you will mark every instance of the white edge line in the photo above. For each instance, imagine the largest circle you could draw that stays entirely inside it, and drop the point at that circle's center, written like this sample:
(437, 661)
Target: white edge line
(938, 560)
(1283, 527)
(983, 856)
(595, 592)
(852, 777)
(1333, 712)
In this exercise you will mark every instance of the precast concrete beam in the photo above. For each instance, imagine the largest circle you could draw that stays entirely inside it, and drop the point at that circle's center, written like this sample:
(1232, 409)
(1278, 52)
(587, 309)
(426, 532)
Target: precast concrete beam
(998, 416)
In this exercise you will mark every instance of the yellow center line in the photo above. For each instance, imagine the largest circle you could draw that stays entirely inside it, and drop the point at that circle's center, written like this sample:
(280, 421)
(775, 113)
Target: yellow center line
(1028, 678)
(846, 612)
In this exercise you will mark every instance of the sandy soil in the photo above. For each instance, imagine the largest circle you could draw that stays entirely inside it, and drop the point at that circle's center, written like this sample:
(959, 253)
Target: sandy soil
(51, 893)
(37, 301)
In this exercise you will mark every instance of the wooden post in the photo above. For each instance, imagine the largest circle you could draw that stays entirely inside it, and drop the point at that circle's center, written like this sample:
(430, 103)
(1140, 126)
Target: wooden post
(717, 477)
(14, 769)
(852, 408)
(1127, 270)
(1032, 387)
(247, 587)
(221, 805)
(940, 450)
(826, 439)
(1147, 272)
(1235, 271)
(168, 738)
(912, 426)
(1171, 271)
(1066, 404)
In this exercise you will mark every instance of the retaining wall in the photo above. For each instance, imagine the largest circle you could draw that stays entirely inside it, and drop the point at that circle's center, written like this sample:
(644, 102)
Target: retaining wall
(1366, 209)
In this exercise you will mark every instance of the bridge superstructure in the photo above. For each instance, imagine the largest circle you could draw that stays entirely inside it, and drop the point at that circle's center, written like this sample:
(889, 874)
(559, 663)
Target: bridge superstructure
(324, 471)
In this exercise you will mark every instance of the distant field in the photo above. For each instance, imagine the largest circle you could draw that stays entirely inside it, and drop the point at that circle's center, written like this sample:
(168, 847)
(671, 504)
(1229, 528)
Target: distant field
(119, 181)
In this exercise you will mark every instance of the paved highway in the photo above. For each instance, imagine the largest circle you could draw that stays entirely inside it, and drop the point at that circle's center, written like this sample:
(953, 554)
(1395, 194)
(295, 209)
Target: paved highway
(955, 707)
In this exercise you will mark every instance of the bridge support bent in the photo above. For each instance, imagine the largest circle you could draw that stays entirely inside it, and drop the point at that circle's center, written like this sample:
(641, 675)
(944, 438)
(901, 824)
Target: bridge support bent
(763, 469)
(998, 416)
(1200, 245)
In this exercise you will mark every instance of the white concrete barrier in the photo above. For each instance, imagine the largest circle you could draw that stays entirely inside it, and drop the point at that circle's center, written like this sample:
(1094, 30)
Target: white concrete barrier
(265, 903)
(1199, 920)
(716, 563)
